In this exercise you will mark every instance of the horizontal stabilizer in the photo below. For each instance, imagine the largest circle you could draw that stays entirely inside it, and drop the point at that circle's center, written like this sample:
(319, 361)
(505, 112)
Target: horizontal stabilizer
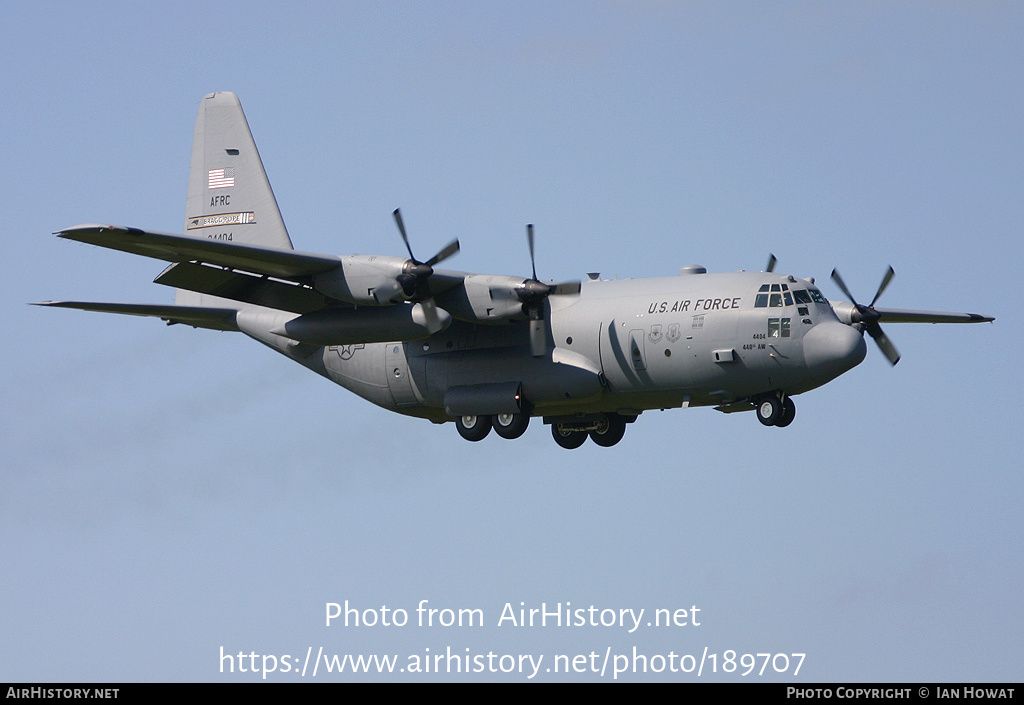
(271, 261)
(196, 316)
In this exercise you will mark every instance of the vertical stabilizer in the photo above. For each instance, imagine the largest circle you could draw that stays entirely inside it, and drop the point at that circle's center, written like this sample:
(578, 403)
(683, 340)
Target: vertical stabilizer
(229, 195)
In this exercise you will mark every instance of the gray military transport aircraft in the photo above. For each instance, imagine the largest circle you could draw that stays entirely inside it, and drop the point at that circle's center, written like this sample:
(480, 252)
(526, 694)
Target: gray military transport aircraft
(490, 351)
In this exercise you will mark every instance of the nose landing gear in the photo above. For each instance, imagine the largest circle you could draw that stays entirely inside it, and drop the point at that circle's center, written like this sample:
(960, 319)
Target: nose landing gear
(776, 410)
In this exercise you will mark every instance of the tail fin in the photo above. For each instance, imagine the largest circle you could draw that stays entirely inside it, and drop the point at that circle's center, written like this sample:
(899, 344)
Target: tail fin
(229, 196)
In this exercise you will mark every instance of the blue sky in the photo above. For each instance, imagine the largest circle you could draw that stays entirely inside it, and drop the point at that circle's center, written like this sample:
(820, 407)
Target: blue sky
(167, 492)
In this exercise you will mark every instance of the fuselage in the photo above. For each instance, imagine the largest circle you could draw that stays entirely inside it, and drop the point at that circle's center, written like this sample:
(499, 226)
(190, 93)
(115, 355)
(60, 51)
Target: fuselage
(489, 351)
(623, 346)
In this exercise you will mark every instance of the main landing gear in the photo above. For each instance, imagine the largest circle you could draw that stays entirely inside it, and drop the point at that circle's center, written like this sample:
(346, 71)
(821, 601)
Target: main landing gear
(774, 410)
(476, 428)
(606, 430)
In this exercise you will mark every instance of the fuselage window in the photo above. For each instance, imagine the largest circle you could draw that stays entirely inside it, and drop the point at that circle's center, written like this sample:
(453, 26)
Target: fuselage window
(778, 327)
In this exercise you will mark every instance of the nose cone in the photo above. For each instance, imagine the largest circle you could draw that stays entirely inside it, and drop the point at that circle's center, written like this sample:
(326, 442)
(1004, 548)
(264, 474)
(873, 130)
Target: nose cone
(832, 348)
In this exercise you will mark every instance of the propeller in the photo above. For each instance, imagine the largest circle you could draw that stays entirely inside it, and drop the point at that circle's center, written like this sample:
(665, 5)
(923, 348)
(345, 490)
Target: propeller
(771, 263)
(414, 276)
(532, 293)
(868, 317)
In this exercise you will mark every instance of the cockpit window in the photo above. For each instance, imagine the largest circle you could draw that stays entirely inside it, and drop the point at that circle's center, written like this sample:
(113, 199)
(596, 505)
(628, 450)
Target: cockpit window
(773, 296)
(779, 295)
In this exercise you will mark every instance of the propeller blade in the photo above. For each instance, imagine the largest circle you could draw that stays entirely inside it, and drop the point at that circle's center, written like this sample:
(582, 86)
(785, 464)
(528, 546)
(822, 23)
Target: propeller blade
(533, 293)
(432, 317)
(540, 340)
(529, 240)
(884, 344)
(447, 251)
(881, 287)
(569, 287)
(842, 285)
(401, 230)
(771, 263)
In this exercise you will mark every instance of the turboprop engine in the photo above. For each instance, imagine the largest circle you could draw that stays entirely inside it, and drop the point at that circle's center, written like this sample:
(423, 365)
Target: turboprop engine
(369, 280)
(383, 280)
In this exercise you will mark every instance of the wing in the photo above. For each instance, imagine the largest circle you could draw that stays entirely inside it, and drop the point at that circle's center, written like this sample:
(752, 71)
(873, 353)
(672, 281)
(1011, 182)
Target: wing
(280, 278)
(902, 315)
(269, 261)
(324, 290)
(196, 316)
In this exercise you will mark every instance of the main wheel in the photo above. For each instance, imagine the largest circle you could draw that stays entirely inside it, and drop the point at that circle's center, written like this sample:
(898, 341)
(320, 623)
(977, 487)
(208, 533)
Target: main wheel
(609, 431)
(473, 428)
(769, 410)
(511, 425)
(566, 437)
(788, 413)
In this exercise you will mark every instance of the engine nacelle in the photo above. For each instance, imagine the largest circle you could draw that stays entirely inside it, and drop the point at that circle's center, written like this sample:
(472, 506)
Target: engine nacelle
(377, 324)
(368, 280)
(844, 311)
(485, 299)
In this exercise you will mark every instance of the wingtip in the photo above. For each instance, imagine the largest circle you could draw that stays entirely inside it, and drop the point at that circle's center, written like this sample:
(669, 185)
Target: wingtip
(84, 226)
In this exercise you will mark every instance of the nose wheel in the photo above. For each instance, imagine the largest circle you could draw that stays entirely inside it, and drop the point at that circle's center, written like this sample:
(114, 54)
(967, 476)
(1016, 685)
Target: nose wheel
(774, 411)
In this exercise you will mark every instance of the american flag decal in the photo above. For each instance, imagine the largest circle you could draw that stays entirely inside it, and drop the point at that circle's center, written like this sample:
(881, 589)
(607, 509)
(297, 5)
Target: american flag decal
(222, 178)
